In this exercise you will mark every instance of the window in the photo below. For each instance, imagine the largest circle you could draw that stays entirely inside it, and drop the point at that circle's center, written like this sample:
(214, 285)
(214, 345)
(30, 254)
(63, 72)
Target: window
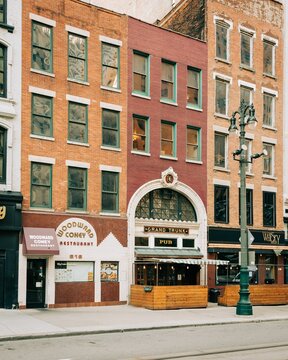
(141, 73)
(77, 57)
(249, 206)
(42, 108)
(141, 241)
(222, 40)
(3, 71)
(268, 160)
(78, 129)
(168, 139)
(220, 150)
(74, 271)
(248, 153)
(221, 204)
(168, 81)
(41, 185)
(268, 57)
(193, 150)
(77, 188)
(246, 95)
(3, 154)
(110, 66)
(110, 192)
(41, 47)
(227, 274)
(246, 49)
(221, 98)
(268, 109)
(109, 271)
(3, 11)
(110, 128)
(269, 208)
(194, 88)
(165, 204)
(140, 133)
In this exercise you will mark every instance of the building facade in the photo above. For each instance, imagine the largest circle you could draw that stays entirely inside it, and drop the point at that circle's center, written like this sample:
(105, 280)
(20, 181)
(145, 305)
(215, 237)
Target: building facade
(74, 164)
(10, 155)
(167, 142)
(245, 48)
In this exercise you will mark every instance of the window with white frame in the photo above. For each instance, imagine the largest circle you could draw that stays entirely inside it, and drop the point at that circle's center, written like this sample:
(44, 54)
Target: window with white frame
(220, 150)
(248, 153)
(268, 160)
(3, 70)
(222, 31)
(221, 96)
(246, 95)
(246, 41)
(3, 154)
(268, 109)
(269, 55)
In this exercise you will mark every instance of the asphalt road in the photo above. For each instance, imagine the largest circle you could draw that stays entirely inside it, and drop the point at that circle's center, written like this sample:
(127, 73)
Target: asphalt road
(265, 340)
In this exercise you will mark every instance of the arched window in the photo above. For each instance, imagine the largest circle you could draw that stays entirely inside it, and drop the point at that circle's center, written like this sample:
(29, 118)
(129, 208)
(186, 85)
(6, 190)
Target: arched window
(3, 154)
(3, 71)
(165, 204)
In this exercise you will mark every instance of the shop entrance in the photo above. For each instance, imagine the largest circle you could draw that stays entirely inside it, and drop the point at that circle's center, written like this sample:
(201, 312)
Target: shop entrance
(2, 277)
(36, 279)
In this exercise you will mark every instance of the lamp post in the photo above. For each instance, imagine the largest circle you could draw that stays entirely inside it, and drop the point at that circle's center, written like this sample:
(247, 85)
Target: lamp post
(246, 117)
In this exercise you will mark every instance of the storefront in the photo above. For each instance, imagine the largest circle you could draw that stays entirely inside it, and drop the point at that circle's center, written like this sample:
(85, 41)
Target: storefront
(10, 227)
(69, 266)
(167, 237)
(267, 253)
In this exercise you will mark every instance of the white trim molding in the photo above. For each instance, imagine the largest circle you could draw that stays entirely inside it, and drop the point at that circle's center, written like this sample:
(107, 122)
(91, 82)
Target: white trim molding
(217, 75)
(109, 106)
(77, 31)
(268, 140)
(42, 19)
(269, 188)
(78, 164)
(270, 39)
(269, 91)
(220, 129)
(110, 168)
(39, 91)
(109, 40)
(222, 182)
(247, 84)
(42, 159)
(78, 99)
(228, 22)
(242, 28)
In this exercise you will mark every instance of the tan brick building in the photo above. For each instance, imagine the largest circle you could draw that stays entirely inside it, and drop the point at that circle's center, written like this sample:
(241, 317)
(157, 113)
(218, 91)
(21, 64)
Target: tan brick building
(73, 154)
(245, 51)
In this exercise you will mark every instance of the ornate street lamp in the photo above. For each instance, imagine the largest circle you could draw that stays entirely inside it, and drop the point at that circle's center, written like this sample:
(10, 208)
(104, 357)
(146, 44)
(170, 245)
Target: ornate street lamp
(246, 117)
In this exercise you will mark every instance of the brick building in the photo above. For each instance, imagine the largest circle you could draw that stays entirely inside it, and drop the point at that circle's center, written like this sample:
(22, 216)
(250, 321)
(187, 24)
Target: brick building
(167, 142)
(245, 51)
(74, 163)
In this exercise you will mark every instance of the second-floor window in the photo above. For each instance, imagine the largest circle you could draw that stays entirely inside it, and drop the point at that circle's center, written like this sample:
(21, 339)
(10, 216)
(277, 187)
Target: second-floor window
(77, 57)
(110, 128)
(140, 133)
(42, 47)
(77, 188)
(110, 191)
(41, 185)
(110, 66)
(193, 149)
(168, 81)
(3, 154)
(140, 73)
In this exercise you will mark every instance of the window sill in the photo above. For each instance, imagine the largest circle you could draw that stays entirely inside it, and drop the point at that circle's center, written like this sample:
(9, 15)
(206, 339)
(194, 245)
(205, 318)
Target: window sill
(141, 153)
(224, 61)
(217, 168)
(269, 127)
(110, 89)
(78, 81)
(10, 28)
(190, 107)
(110, 148)
(5, 187)
(167, 102)
(249, 174)
(7, 108)
(147, 97)
(269, 177)
(39, 137)
(40, 72)
(166, 157)
(41, 209)
(77, 143)
(198, 162)
(71, 211)
(109, 214)
(222, 116)
(248, 68)
(270, 76)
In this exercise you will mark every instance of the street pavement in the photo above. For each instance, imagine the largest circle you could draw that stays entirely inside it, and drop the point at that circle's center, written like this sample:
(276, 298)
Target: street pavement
(37, 323)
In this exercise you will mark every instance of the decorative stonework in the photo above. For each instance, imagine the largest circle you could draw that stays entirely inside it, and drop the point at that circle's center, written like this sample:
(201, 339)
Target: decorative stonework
(169, 177)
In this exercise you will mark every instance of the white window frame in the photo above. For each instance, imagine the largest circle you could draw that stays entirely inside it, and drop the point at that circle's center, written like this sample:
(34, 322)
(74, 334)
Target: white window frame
(272, 143)
(252, 34)
(228, 81)
(221, 131)
(217, 21)
(274, 43)
(249, 86)
(274, 94)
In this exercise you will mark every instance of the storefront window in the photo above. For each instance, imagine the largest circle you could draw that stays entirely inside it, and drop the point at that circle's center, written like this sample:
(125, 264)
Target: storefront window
(109, 271)
(286, 270)
(141, 241)
(74, 271)
(270, 269)
(228, 274)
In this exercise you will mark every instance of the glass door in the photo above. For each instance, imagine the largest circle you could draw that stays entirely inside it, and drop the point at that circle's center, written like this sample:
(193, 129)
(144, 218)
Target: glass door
(36, 279)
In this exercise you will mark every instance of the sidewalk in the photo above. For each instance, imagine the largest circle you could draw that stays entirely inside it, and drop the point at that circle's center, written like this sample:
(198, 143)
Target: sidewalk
(36, 323)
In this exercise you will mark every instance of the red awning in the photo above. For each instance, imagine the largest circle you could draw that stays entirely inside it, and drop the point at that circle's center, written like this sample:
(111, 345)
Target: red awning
(40, 241)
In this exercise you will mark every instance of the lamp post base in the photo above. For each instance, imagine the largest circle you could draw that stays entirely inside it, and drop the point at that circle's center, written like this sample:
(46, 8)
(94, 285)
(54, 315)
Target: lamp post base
(244, 306)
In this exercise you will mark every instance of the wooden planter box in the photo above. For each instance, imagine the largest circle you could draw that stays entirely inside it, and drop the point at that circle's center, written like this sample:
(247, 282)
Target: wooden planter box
(169, 297)
(259, 295)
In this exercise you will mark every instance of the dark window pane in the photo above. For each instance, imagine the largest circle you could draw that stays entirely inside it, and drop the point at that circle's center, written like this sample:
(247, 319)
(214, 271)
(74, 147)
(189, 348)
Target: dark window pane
(221, 203)
(41, 182)
(269, 209)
